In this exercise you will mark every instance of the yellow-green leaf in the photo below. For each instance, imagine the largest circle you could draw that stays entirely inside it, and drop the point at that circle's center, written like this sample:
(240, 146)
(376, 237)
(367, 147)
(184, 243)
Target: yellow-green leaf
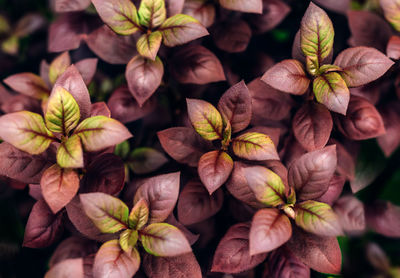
(152, 13)
(70, 153)
(128, 239)
(139, 215)
(391, 9)
(62, 114)
(255, 146)
(10, 45)
(59, 66)
(149, 44)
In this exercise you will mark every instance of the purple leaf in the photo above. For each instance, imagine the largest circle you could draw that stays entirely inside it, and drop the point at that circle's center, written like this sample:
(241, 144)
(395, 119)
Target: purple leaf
(334, 190)
(232, 37)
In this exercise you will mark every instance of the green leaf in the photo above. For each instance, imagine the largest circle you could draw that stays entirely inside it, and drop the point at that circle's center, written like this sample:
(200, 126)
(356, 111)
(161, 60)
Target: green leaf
(62, 114)
(331, 90)
(122, 149)
(267, 186)
(101, 132)
(139, 215)
(152, 13)
(149, 44)
(254, 146)
(146, 160)
(58, 66)
(120, 15)
(128, 239)
(317, 218)
(70, 153)
(108, 213)
(10, 45)
(316, 35)
(26, 131)
(205, 118)
(180, 29)
(165, 240)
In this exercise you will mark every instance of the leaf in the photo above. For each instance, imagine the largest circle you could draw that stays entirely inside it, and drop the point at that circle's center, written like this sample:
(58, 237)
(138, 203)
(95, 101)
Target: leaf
(317, 218)
(244, 6)
(146, 160)
(28, 84)
(149, 44)
(70, 153)
(235, 106)
(232, 37)
(195, 204)
(87, 68)
(43, 227)
(183, 144)
(254, 146)
(350, 212)
(267, 186)
(29, 24)
(128, 239)
(62, 114)
(139, 215)
(269, 230)
(287, 76)
(161, 193)
(393, 48)
(391, 118)
(197, 65)
(335, 188)
(108, 213)
(59, 186)
(165, 240)
(384, 218)
(391, 11)
(22, 166)
(361, 65)
(152, 13)
(63, 6)
(120, 15)
(183, 266)
(144, 77)
(66, 268)
(312, 126)
(377, 257)
(100, 109)
(202, 11)
(282, 263)
(58, 66)
(311, 173)
(113, 262)
(101, 132)
(232, 254)
(331, 90)
(362, 122)
(319, 253)
(180, 29)
(205, 118)
(214, 169)
(26, 131)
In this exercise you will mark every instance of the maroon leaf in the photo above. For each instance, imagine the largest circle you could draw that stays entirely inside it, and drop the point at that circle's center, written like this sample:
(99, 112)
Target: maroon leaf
(393, 48)
(361, 65)
(67, 268)
(384, 218)
(64, 6)
(282, 263)
(161, 193)
(196, 64)
(144, 76)
(87, 68)
(311, 173)
(269, 230)
(350, 212)
(319, 253)
(196, 205)
(28, 84)
(345, 161)
(362, 121)
(232, 37)
(192, 238)
(43, 227)
(287, 76)
(232, 254)
(235, 106)
(334, 190)
(214, 169)
(312, 126)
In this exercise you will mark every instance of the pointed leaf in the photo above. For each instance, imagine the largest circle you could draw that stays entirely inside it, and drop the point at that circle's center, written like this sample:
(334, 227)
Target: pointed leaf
(149, 44)
(108, 213)
(58, 66)
(254, 146)
(139, 215)
(350, 212)
(266, 185)
(62, 114)
(269, 230)
(317, 218)
(113, 262)
(152, 13)
(331, 90)
(70, 153)
(28, 84)
(244, 6)
(100, 109)
(180, 29)
(361, 65)
(335, 188)
(377, 257)
(287, 76)
(26, 131)
(391, 11)
(214, 169)
(311, 173)
(144, 77)
(120, 15)
(87, 68)
(101, 132)
(312, 126)
(165, 240)
(128, 239)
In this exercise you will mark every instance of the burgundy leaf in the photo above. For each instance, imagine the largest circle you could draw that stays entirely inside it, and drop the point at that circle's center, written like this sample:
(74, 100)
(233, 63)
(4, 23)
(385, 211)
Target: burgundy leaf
(232, 254)
(345, 161)
(196, 205)
(312, 126)
(283, 264)
(391, 118)
(311, 173)
(232, 37)
(192, 238)
(351, 214)
(393, 48)
(384, 218)
(43, 227)
(334, 190)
